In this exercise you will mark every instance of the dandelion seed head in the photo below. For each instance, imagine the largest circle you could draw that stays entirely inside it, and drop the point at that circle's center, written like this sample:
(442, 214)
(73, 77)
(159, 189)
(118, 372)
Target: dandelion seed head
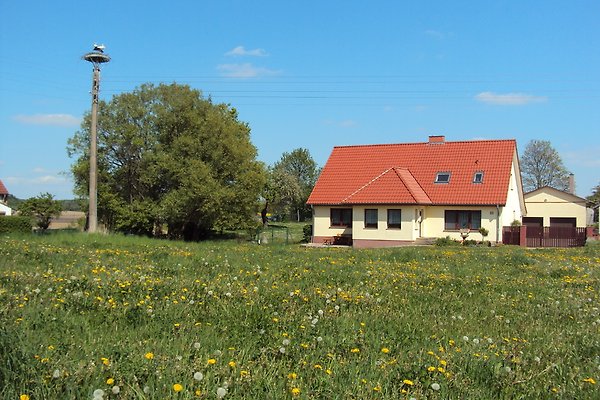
(198, 376)
(115, 389)
(197, 345)
(221, 392)
(435, 386)
(56, 373)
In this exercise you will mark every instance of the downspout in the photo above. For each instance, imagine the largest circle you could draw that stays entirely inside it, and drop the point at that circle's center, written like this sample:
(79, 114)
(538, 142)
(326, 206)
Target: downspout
(497, 223)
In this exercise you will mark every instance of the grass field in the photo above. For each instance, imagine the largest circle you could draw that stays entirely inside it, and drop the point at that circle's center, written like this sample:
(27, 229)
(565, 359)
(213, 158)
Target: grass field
(112, 317)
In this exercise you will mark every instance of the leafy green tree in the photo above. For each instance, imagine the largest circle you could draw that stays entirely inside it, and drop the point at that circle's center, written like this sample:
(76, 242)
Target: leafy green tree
(168, 157)
(541, 166)
(43, 208)
(594, 202)
(299, 165)
(282, 193)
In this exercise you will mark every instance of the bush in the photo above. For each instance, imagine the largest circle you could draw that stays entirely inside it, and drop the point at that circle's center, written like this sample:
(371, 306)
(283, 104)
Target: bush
(15, 224)
(446, 241)
(307, 232)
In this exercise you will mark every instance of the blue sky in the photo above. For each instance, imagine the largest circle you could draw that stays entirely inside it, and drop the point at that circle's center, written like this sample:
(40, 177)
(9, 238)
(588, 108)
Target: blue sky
(312, 74)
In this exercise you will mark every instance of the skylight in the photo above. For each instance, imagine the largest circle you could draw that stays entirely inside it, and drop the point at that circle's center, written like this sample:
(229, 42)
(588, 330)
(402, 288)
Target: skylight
(478, 177)
(442, 177)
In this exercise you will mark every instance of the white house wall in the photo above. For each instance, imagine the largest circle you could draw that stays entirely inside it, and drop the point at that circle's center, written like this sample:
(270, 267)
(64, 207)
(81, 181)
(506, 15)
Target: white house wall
(434, 222)
(515, 205)
(5, 210)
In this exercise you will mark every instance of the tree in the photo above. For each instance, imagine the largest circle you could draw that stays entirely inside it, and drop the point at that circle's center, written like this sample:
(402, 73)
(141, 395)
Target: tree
(594, 202)
(282, 193)
(300, 166)
(168, 157)
(541, 166)
(43, 208)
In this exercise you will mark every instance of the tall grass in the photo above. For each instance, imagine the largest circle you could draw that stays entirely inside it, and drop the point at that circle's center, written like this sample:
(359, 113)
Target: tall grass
(146, 319)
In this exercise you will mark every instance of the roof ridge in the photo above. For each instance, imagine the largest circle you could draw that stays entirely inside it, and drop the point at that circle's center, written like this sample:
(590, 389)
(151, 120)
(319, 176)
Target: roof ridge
(424, 143)
(366, 184)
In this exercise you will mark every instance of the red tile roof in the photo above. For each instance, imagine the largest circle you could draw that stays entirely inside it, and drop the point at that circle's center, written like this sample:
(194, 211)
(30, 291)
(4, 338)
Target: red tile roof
(405, 173)
(3, 190)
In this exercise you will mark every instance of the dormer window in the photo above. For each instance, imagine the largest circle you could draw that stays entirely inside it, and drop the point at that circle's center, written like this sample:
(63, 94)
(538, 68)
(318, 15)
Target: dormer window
(478, 177)
(442, 177)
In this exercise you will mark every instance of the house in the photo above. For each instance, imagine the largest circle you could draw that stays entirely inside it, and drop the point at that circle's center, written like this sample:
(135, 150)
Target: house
(549, 207)
(394, 194)
(4, 208)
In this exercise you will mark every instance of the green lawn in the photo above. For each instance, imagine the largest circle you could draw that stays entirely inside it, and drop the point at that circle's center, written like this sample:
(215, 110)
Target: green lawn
(148, 319)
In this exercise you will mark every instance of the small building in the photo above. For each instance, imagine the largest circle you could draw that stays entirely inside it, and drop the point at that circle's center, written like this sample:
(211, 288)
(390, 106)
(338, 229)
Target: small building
(549, 207)
(4, 208)
(394, 194)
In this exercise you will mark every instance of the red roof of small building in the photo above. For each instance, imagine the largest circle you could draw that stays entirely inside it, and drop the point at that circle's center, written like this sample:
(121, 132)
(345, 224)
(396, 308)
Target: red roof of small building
(405, 173)
(3, 190)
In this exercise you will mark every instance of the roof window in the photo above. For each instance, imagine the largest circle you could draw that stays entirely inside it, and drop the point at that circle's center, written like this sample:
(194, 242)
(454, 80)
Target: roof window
(478, 177)
(442, 177)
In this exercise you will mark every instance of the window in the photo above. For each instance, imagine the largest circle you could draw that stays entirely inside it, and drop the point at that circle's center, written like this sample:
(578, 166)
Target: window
(394, 218)
(371, 218)
(459, 219)
(341, 217)
(478, 177)
(442, 177)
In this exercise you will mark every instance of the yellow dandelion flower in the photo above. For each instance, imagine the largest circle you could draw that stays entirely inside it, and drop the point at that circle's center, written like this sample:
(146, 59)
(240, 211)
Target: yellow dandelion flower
(24, 397)
(212, 361)
(295, 391)
(377, 388)
(431, 368)
(231, 364)
(292, 375)
(355, 350)
(177, 387)
(110, 381)
(244, 373)
(198, 393)
(590, 380)
(318, 366)
(149, 356)
(385, 350)
(408, 382)
(443, 362)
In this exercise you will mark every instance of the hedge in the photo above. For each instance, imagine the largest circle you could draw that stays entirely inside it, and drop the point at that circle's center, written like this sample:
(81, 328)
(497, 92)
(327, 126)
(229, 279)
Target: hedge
(15, 224)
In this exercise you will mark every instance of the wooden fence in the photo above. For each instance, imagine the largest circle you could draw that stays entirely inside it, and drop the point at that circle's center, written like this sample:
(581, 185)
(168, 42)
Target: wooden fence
(545, 236)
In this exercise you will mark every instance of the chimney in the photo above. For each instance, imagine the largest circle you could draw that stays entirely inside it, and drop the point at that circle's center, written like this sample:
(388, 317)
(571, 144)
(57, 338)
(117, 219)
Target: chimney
(571, 183)
(437, 139)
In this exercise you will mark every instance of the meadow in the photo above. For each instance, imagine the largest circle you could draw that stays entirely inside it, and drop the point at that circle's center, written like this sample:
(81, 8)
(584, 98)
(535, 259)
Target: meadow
(114, 317)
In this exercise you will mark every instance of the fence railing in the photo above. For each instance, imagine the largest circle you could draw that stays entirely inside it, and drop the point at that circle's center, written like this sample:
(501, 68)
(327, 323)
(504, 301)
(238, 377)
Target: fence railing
(545, 236)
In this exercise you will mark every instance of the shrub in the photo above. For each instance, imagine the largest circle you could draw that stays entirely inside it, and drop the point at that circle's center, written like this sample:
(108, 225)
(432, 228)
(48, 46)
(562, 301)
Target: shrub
(15, 224)
(446, 241)
(307, 232)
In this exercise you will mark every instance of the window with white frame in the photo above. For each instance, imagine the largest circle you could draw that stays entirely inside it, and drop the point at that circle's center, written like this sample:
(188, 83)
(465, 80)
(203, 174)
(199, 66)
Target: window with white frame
(394, 218)
(371, 218)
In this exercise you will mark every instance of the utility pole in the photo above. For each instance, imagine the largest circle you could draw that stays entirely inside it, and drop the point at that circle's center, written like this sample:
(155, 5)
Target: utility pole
(96, 57)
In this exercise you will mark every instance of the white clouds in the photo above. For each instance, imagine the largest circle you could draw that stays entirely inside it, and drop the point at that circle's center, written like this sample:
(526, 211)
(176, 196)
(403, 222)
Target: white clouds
(240, 51)
(48, 119)
(38, 180)
(509, 99)
(245, 70)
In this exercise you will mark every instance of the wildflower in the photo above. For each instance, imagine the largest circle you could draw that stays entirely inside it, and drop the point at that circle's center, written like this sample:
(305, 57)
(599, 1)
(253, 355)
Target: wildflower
(286, 342)
(377, 388)
(56, 374)
(105, 361)
(282, 350)
(244, 373)
(355, 350)
(385, 350)
(110, 381)
(177, 387)
(98, 394)
(435, 386)
(212, 361)
(149, 356)
(221, 392)
(431, 368)
(408, 382)
(24, 397)
(231, 364)
(292, 375)
(116, 389)
(590, 381)
(197, 346)
(198, 376)
(466, 338)
(295, 391)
